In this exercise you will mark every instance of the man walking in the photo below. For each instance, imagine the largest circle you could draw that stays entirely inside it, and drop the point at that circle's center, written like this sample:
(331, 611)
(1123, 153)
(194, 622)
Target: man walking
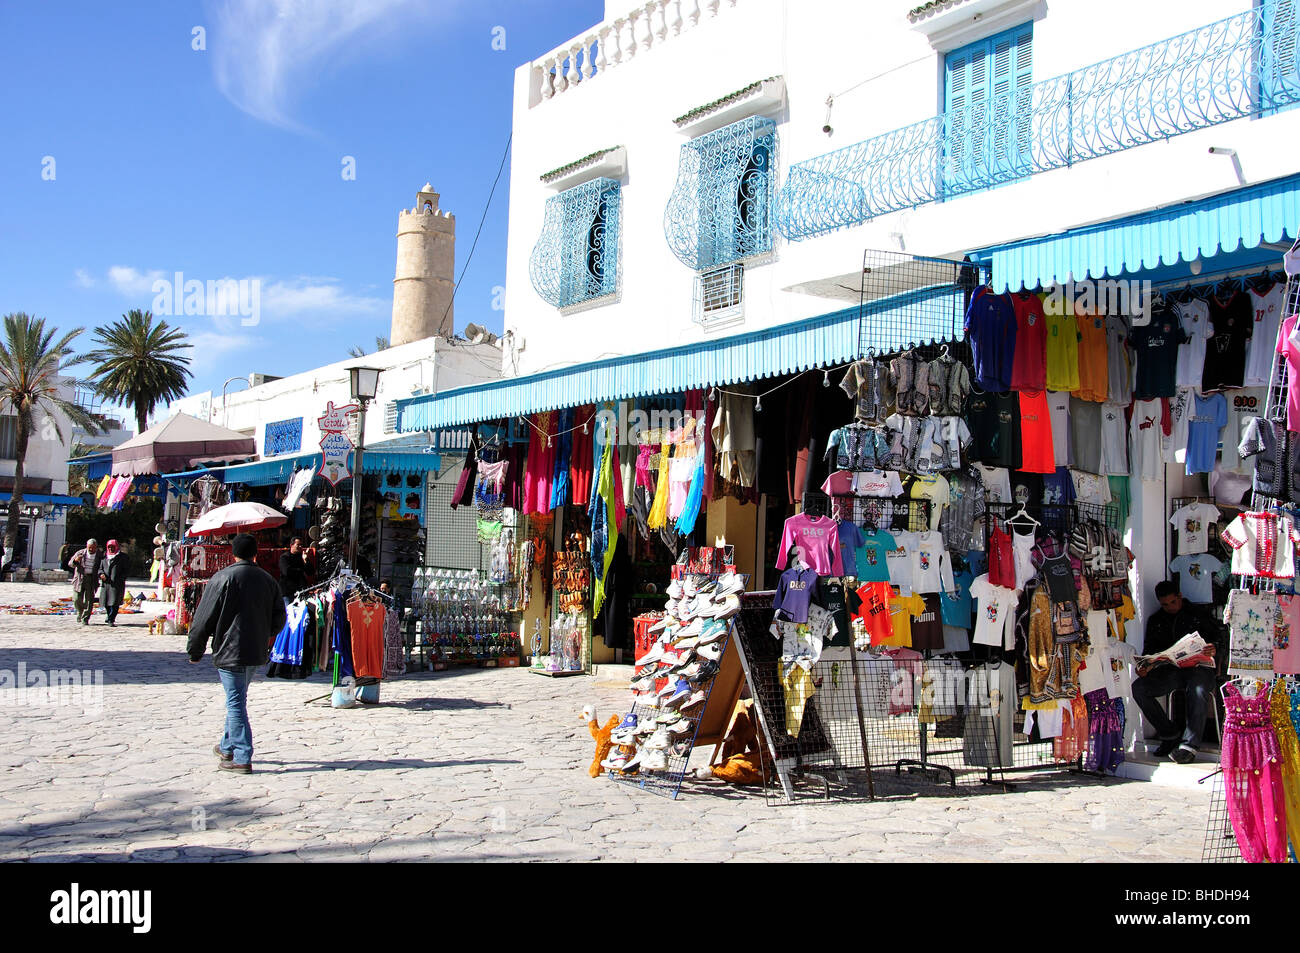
(293, 570)
(242, 611)
(85, 564)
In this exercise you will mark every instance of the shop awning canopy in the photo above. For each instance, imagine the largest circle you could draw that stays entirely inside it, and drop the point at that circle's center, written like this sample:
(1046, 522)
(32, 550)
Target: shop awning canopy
(58, 499)
(798, 346)
(279, 469)
(1245, 218)
(98, 465)
(178, 443)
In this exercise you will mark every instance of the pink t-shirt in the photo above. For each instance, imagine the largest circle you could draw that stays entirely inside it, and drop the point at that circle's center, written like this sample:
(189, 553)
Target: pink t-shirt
(818, 538)
(1287, 348)
(1286, 635)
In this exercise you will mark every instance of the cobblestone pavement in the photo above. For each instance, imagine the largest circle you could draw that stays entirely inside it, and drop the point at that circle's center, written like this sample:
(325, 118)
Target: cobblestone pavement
(461, 765)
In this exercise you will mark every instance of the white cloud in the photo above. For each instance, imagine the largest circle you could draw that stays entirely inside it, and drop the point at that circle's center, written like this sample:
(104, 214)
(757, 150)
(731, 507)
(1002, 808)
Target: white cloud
(211, 352)
(317, 296)
(83, 278)
(133, 282)
(265, 51)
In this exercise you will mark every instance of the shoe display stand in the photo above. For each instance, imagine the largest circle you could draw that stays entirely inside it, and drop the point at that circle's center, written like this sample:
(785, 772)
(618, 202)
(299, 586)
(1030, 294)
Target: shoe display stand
(710, 716)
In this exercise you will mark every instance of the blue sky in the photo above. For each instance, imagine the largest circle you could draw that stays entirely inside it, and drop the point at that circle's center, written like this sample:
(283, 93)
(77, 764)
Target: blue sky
(129, 155)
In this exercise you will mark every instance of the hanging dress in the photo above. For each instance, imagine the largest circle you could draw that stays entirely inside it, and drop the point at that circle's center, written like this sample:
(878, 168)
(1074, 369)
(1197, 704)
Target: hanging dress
(1252, 777)
(659, 508)
(1283, 709)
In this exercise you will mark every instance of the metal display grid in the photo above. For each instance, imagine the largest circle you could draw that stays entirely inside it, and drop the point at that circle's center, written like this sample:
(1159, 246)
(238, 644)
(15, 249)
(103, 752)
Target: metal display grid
(906, 300)
(668, 783)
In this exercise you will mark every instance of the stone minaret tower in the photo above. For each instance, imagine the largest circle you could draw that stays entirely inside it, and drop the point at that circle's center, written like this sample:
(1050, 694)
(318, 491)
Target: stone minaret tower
(426, 259)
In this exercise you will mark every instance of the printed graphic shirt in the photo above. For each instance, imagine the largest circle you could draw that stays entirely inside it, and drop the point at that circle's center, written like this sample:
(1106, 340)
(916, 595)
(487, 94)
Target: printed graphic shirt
(995, 428)
(1174, 443)
(1094, 373)
(935, 489)
(851, 539)
(1233, 321)
(1193, 523)
(931, 564)
(1242, 405)
(995, 613)
(902, 609)
(1252, 625)
(1156, 348)
(1029, 371)
(1268, 316)
(877, 483)
(899, 560)
(997, 483)
(1286, 635)
(872, 555)
(794, 593)
(874, 611)
(818, 539)
(1146, 428)
(1196, 576)
(1208, 418)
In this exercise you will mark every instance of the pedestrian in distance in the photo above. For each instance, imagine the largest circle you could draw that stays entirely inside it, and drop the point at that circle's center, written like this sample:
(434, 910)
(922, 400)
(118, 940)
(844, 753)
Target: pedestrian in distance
(112, 576)
(85, 565)
(242, 612)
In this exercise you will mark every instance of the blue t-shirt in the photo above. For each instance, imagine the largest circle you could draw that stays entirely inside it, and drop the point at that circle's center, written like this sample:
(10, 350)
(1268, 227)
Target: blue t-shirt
(957, 611)
(1209, 417)
(850, 539)
(870, 557)
(991, 323)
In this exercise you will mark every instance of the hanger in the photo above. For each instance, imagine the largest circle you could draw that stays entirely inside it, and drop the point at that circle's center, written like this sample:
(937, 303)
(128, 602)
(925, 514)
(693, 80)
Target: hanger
(1248, 685)
(1022, 512)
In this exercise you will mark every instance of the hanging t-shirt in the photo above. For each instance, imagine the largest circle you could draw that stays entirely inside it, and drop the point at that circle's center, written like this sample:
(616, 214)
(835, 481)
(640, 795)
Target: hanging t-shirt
(1094, 372)
(997, 483)
(931, 565)
(1030, 369)
(1242, 405)
(1085, 425)
(1194, 318)
(902, 609)
(995, 428)
(1174, 442)
(1193, 523)
(842, 604)
(874, 611)
(1251, 621)
(1268, 315)
(995, 613)
(851, 539)
(794, 593)
(1195, 576)
(1058, 405)
(991, 324)
(1155, 346)
(871, 555)
(1121, 495)
(927, 628)
(1145, 432)
(839, 483)
(1208, 418)
(1058, 488)
(818, 539)
(1002, 559)
(1114, 441)
(1233, 320)
(1263, 544)
(1095, 673)
(1119, 369)
(955, 606)
(1062, 352)
(1026, 488)
(877, 483)
(898, 560)
(1038, 455)
(935, 489)
(1090, 488)
(1286, 635)
(1288, 348)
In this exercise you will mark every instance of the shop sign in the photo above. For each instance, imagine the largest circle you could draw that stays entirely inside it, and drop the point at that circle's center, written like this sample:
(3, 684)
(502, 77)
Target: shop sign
(335, 447)
(336, 418)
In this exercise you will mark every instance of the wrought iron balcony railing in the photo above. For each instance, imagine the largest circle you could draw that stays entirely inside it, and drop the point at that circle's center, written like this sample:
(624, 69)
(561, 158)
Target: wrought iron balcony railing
(1244, 65)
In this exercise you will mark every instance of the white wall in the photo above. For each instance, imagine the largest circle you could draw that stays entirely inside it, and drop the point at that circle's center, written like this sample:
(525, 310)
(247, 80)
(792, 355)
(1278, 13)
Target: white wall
(820, 49)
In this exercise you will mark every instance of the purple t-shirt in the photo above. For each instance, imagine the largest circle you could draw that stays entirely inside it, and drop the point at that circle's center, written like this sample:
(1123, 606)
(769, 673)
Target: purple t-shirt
(850, 539)
(991, 323)
(793, 594)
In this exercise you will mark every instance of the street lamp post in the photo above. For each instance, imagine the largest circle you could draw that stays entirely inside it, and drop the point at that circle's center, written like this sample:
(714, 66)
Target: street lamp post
(365, 383)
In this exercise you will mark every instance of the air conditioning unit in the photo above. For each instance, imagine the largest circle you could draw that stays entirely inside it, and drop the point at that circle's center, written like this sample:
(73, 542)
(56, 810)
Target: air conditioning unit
(720, 297)
(390, 417)
(257, 380)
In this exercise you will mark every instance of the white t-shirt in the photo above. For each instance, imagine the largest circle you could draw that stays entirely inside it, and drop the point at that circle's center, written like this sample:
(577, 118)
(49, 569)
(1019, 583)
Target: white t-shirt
(1261, 355)
(995, 618)
(1195, 318)
(1193, 525)
(1180, 414)
(1263, 544)
(1096, 671)
(1090, 488)
(931, 567)
(898, 561)
(1144, 439)
(935, 489)
(1242, 405)
(1114, 441)
(997, 483)
(877, 483)
(1196, 576)
(1022, 546)
(1058, 404)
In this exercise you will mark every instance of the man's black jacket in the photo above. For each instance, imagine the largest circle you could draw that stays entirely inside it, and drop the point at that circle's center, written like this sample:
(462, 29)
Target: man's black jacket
(242, 612)
(1163, 629)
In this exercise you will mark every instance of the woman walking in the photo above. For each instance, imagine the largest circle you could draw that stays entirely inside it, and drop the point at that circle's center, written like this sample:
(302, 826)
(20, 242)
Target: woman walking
(113, 575)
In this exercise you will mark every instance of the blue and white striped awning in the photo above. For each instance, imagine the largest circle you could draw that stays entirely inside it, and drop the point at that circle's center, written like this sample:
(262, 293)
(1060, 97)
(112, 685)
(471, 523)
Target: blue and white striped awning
(279, 469)
(1243, 218)
(816, 342)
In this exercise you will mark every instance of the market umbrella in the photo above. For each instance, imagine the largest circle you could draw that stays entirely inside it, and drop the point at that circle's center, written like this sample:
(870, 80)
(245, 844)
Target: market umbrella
(179, 443)
(236, 518)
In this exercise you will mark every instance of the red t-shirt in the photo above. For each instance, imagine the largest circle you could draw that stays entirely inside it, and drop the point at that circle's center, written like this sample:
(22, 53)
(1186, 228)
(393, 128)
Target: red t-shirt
(1029, 372)
(1038, 455)
(874, 611)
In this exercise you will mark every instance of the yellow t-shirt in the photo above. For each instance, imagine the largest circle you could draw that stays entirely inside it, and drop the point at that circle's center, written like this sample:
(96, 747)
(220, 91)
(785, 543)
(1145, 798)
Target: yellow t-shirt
(1094, 369)
(1062, 352)
(901, 611)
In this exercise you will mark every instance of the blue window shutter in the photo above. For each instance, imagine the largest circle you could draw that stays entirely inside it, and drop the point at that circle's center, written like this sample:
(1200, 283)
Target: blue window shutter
(1011, 62)
(1279, 63)
(966, 75)
(987, 118)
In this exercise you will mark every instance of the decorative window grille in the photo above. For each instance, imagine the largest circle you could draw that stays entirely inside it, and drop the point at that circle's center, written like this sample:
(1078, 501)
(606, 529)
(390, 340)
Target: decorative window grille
(988, 109)
(721, 207)
(719, 297)
(282, 436)
(575, 260)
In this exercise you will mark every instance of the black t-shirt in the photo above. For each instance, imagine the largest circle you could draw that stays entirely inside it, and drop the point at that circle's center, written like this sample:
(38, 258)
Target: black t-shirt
(1059, 576)
(1233, 321)
(994, 422)
(834, 598)
(1026, 488)
(927, 628)
(1156, 348)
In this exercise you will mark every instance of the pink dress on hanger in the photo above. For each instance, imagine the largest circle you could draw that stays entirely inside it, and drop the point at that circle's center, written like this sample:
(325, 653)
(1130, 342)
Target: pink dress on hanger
(541, 463)
(1252, 776)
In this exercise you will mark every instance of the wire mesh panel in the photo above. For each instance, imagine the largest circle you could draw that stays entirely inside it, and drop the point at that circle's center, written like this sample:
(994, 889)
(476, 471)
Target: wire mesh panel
(1220, 842)
(451, 535)
(907, 300)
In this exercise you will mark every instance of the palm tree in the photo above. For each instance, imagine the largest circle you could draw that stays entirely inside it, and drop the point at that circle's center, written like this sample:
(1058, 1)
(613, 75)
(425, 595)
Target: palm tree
(381, 344)
(137, 362)
(29, 382)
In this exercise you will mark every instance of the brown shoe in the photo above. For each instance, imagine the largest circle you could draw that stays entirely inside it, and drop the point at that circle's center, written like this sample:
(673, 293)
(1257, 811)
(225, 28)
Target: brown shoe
(223, 755)
(236, 768)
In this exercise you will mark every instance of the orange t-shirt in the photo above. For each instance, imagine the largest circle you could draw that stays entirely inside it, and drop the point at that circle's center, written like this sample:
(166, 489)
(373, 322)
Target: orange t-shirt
(1094, 370)
(1038, 455)
(874, 611)
(366, 622)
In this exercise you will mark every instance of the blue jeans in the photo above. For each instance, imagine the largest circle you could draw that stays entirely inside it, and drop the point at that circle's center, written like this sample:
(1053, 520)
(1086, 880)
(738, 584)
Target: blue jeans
(238, 736)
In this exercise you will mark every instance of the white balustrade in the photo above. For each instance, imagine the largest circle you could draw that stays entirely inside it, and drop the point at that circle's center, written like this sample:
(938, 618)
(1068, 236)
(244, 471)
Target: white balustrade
(676, 22)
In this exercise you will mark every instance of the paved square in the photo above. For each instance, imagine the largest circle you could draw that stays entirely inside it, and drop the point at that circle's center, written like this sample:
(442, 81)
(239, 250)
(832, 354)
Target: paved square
(461, 765)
